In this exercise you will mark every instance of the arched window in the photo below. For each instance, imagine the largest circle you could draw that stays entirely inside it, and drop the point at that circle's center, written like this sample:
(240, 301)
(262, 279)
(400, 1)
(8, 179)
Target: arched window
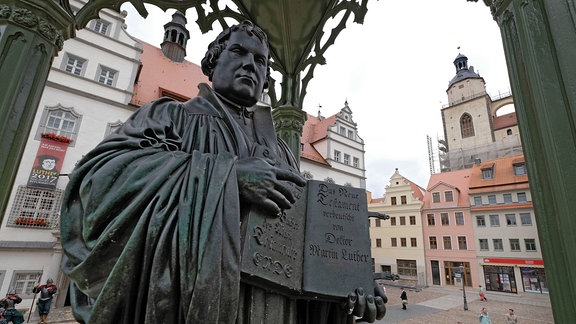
(60, 120)
(466, 125)
(173, 36)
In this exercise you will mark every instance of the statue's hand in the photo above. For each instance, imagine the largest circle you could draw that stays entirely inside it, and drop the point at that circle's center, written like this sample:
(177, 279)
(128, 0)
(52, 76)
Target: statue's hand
(261, 183)
(367, 307)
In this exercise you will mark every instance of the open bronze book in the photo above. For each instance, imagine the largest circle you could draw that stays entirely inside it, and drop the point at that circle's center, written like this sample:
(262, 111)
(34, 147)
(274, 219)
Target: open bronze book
(320, 248)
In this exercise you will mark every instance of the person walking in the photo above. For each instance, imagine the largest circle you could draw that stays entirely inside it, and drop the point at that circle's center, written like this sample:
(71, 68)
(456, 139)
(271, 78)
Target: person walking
(484, 318)
(511, 318)
(45, 300)
(404, 298)
(9, 303)
(481, 293)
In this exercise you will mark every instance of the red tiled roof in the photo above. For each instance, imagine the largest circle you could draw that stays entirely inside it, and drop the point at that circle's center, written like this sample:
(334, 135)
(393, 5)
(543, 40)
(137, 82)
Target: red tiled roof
(417, 191)
(158, 71)
(314, 130)
(503, 175)
(458, 179)
(507, 120)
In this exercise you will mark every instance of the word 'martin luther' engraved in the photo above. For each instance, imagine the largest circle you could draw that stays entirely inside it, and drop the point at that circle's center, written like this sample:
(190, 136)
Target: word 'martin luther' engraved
(342, 210)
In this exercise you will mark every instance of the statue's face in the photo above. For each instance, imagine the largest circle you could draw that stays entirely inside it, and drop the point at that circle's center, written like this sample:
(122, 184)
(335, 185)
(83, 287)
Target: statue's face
(240, 71)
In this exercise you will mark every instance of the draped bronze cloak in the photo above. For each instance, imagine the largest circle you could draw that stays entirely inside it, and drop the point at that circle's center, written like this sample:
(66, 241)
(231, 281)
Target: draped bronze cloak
(151, 217)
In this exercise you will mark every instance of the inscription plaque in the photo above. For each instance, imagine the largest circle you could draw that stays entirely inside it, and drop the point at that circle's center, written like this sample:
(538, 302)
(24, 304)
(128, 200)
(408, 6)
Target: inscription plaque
(319, 247)
(337, 256)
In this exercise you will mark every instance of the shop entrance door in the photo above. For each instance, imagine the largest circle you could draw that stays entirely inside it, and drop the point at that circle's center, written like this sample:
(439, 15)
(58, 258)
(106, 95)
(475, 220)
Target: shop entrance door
(435, 272)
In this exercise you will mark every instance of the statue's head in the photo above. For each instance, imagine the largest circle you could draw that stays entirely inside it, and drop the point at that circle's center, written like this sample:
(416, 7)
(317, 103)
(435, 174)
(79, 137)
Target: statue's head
(237, 63)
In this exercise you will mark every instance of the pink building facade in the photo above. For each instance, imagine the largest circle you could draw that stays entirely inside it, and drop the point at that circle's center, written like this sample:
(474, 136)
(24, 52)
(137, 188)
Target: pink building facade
(448, 231)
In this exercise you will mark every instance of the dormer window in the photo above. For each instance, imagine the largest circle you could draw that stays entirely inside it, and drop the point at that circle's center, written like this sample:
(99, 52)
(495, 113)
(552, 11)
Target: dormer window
(488, 173)
(448, 196)
(519, 169)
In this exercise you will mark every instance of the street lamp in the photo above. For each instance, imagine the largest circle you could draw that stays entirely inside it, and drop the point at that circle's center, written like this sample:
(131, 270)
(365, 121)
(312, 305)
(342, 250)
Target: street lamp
(463, 287)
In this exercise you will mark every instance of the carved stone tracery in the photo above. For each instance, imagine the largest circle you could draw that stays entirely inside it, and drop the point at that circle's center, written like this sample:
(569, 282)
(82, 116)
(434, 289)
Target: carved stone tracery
(30, 20)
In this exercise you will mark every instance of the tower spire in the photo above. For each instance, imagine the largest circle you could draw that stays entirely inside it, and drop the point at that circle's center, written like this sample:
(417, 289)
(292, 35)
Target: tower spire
(175, 38)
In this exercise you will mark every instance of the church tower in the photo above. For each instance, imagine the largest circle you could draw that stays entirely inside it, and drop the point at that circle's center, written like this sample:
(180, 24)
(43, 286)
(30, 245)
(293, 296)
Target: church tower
(175, 38)
(472, 130)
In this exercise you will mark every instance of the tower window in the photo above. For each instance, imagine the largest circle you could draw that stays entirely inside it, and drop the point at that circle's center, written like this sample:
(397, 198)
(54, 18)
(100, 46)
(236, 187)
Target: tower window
(466, 125)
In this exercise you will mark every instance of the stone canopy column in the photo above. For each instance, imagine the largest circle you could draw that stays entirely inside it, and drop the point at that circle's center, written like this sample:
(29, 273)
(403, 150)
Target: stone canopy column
(289, 122)
(31, 34)
(539, 38)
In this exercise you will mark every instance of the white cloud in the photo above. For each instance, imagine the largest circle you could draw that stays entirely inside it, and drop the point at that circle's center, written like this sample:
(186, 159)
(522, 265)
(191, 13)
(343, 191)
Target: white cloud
(393, 70)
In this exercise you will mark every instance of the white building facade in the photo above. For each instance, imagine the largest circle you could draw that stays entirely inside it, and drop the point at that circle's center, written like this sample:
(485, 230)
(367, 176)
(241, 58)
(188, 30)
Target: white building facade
(332, 149)
(89, 87)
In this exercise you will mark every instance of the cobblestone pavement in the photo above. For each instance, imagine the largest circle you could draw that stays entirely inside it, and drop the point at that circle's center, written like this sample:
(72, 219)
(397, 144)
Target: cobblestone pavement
(431, 305)
(445, 306)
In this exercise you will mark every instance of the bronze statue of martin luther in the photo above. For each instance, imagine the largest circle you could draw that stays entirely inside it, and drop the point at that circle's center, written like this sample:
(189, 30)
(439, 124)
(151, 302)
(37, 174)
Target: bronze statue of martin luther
(151, 217)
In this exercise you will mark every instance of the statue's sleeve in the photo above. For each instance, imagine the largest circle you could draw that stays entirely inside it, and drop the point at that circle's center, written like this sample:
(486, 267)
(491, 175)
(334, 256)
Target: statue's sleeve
(143, 224)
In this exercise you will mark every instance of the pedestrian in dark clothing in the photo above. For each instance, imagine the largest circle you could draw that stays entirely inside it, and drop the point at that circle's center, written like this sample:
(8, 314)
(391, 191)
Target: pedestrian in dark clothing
(11, 313)
(45, 300)
(2, 318)
(404, 298)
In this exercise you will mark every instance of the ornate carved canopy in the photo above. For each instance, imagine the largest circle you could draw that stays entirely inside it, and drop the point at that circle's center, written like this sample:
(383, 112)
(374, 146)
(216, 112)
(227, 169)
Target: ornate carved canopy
(294, 27)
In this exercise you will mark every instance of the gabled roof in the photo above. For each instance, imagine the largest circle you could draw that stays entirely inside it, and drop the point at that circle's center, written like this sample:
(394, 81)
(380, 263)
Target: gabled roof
(315, 129)
(442, 183)
(504, 121)
(417, 191)
(503, 174)
(159, 72)
(458, 179)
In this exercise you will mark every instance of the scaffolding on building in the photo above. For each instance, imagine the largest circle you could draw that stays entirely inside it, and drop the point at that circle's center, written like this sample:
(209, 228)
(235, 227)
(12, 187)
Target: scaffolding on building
(457, 159)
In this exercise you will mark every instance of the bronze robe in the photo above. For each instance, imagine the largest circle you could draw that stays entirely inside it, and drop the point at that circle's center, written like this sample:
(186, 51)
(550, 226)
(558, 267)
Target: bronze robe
(151, 218)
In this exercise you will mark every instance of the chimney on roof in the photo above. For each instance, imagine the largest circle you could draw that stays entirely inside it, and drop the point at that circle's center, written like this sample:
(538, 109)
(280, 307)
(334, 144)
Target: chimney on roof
(477, 161)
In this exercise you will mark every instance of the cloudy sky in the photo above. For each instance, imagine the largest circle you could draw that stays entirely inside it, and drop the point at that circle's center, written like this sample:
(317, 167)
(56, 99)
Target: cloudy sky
(393, 70)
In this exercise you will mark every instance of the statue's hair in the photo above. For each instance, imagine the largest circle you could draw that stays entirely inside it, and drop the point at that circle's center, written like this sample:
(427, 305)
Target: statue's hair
(216, 47)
